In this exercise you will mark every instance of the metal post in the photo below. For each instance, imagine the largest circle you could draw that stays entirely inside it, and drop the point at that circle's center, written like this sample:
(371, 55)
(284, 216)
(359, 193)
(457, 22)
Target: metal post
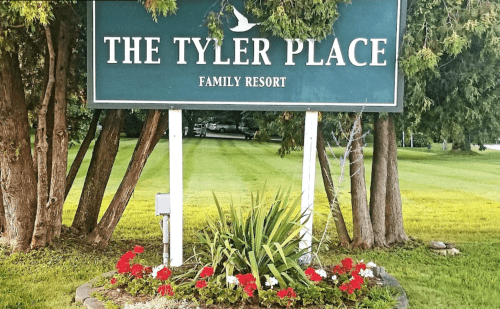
(308, 176)
(166, 260)
(176, 187)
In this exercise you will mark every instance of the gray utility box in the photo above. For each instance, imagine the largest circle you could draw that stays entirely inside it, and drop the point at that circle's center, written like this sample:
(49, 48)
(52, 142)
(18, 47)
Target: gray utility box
(162, 205)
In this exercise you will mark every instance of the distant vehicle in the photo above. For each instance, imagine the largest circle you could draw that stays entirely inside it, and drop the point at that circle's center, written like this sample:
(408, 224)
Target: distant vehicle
(223, 126)
(200, 129)
(250, 132)
(212, 126)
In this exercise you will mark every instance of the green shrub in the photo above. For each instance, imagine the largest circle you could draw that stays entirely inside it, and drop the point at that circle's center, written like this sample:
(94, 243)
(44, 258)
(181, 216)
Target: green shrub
(265, 244)
(420, 140)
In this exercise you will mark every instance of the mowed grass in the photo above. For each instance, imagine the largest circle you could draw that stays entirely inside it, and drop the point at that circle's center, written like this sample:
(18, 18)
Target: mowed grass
(446, 196)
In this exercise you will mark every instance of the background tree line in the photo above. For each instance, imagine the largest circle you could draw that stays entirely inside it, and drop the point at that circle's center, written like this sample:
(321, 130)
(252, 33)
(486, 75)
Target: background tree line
(450, 56)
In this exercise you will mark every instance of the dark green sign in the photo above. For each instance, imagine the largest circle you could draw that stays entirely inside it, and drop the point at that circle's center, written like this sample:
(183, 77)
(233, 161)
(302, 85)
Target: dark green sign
(172, 64)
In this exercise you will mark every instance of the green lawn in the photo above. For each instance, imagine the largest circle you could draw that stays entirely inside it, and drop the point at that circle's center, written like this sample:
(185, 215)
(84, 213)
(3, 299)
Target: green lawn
(446, 196)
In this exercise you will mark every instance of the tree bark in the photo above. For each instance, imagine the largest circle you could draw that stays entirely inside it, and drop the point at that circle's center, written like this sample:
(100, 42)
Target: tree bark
(42, 215)
(333, 201)
(103, 158)
(18, 179)
(153, 129)
(395, 232)
(3, 224)
(75, 166)
(363, 233)
(60, 134)
(379, 181)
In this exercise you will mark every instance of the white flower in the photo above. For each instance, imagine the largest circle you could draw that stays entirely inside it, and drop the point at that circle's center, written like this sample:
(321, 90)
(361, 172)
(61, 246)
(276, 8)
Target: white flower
(156, 270)
(321, 272)
(371, 265)
(232, 280)
(271, 282)
(334, 279)
(366, 273)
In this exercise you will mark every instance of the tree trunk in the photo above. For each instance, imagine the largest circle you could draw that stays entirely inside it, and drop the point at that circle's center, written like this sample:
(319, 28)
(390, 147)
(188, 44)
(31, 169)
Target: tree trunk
(189, 117)
(333, 201)
(81, 152)
(363, 233)
(395, 232)
(18, 179)
(3, 224)
(152, 131)
(379, 181)
(103, 157)
(42, 215)
(60, 134)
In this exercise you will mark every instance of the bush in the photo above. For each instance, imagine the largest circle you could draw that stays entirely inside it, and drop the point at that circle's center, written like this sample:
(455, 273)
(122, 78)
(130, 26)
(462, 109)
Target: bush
(420, 140)
(133, 123)
(260, 243)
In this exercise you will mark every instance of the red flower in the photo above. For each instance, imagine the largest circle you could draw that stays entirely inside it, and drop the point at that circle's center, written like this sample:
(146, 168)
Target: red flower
(207, 272)
(123, 266)
(165, 289)
(201, 284)
(312, 275)
(127, 256)
(138, 249)
(347, 264)
(282, 293)
(356, 282)
(291, 293)
(338, 270)
(343, 287)
(287, 292)
(360, 266)
(148, 270)
(249, 288)
(244, 280)
(163, 274)
(137, 270)
(113, 281)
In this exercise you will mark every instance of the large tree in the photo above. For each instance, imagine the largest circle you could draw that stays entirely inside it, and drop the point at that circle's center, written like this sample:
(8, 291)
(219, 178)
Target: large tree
(451, 57)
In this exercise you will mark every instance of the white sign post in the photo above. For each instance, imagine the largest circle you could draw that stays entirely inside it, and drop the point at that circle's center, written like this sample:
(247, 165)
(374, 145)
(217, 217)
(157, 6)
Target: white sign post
(308, 177)
(175, 151)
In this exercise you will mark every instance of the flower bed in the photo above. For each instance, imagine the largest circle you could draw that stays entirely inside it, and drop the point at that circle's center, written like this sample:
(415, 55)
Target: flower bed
(347, 284)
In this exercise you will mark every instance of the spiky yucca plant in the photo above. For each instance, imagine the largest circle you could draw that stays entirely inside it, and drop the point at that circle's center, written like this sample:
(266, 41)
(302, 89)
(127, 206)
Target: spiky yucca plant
(263, 242)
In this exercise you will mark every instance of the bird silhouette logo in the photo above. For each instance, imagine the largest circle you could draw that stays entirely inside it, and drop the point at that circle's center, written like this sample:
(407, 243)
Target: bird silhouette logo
(243, 24)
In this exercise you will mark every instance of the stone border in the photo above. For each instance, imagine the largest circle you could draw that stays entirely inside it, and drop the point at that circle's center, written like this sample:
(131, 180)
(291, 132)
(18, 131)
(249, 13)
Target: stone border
(83, 291)
(388, 280)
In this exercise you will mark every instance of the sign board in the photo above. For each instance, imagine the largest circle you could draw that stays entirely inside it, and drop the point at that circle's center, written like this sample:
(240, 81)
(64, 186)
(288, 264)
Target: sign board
(135, 62)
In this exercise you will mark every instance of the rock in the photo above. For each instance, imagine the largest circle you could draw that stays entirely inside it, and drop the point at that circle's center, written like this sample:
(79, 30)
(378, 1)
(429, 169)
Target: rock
(440, 251)
(449, 245)
(437, 245)
(378, 271)
(83, 292)
(93, 303)
(452, 251)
